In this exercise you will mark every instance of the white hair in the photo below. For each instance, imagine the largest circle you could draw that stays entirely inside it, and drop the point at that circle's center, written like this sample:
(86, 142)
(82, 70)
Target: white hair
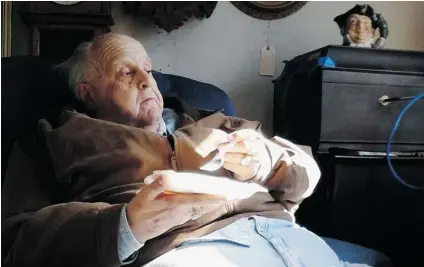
(75, 65)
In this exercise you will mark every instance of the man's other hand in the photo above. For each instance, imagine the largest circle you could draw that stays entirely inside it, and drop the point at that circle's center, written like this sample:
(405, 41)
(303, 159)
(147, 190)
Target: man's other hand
(152, 212)
(244, 156)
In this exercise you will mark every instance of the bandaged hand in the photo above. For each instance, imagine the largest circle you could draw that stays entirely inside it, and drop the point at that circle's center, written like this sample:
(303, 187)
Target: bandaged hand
(245, 152)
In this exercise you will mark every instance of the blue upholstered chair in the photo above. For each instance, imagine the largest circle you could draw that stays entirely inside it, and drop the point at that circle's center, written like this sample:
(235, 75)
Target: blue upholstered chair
(32, 90)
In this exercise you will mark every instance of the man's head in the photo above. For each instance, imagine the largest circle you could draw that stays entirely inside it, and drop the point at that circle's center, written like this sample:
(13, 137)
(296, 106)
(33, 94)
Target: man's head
(112, 76)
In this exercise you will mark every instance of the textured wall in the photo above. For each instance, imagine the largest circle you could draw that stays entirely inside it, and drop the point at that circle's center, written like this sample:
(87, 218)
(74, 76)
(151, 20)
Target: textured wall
(224, 49)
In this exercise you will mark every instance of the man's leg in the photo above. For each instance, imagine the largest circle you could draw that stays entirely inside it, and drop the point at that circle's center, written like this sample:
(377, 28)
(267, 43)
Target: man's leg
(356, 255)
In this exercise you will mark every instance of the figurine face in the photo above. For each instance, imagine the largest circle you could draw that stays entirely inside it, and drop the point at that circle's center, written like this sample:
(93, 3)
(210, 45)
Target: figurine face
(359, 28)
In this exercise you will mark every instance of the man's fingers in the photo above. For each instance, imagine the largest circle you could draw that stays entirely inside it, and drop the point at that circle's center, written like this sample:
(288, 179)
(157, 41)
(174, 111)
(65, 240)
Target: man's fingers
(234, 157)
(234, 144)
(236, 148)
(151, 191)
(197, 199)
(246, 147)
(241, 171)
(234, 137)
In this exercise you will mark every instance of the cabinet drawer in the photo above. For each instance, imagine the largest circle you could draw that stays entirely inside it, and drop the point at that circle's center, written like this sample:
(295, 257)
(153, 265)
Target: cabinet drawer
(351, 111)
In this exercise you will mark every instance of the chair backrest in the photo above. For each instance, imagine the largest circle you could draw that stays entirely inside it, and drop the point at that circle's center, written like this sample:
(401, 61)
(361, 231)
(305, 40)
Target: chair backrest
(32, 90)
(199, 94)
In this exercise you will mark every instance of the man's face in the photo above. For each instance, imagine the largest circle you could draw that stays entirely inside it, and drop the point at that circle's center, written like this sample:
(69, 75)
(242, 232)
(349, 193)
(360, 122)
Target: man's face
(359, 28)
(124, 89)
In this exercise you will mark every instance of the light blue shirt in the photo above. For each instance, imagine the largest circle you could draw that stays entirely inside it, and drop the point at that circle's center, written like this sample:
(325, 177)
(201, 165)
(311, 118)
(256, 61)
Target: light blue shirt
(127, 243)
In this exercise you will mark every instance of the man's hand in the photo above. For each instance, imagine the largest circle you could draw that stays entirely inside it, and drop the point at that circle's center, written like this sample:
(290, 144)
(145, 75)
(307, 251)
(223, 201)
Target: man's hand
(244, 156)
(151, 212)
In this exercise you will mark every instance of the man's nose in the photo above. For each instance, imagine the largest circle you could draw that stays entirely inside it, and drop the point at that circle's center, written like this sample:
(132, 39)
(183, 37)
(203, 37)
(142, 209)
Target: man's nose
(143, 80)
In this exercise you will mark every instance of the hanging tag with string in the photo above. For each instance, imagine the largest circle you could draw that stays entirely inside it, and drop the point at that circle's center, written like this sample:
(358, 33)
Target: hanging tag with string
(267, 58)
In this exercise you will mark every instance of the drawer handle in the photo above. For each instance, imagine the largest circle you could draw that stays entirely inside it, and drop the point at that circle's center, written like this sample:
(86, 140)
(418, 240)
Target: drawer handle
(385, 100)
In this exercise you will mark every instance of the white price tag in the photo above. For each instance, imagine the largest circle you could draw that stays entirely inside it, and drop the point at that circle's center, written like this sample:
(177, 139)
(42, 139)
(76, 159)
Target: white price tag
(267, 61)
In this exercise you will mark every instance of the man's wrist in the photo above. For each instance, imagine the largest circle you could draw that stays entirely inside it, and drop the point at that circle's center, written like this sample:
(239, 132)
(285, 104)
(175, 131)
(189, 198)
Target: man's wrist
(128, 245)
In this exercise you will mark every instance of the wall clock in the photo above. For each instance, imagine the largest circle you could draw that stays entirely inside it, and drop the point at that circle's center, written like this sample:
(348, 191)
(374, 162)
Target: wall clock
(66, 3)
(268, 10)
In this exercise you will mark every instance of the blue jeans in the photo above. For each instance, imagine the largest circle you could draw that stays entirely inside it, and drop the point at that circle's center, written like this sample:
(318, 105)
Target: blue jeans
(264, 242)
(356, 255)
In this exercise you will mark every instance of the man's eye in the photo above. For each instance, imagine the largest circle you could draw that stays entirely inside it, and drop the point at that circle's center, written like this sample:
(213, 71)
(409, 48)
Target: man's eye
(149, 71)
(129, 73)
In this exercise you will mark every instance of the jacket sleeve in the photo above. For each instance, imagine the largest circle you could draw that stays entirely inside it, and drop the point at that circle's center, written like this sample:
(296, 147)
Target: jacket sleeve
(289, 171)
(39, 230)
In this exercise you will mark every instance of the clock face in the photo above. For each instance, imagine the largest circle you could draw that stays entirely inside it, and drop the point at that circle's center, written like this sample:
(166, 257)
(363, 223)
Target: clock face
(66, 3)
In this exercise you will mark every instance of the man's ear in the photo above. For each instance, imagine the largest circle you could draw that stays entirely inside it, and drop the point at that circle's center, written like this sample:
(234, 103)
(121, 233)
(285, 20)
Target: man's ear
(85, 93)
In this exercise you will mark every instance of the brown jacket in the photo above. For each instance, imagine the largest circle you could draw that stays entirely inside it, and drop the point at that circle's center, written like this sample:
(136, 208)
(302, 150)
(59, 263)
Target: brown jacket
(68, 215)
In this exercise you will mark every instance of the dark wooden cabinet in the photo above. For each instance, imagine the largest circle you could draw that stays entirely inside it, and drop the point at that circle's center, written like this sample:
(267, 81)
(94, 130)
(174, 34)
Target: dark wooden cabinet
(56, 29)
(335, 109)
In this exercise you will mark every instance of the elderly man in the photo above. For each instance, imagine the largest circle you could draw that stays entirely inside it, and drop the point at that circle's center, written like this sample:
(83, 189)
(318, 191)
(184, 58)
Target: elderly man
(74, 195)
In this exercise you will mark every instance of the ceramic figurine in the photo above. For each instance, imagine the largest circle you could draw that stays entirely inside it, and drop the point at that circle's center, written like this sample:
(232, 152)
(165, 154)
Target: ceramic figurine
(358, 27)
